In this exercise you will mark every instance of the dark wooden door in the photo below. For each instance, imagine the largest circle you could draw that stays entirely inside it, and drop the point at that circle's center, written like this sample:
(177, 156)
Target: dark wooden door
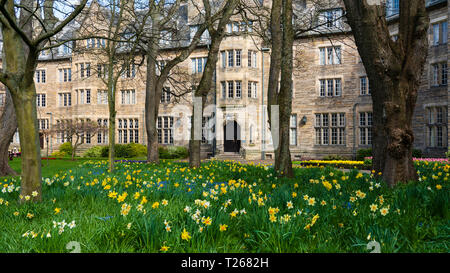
(232, 136)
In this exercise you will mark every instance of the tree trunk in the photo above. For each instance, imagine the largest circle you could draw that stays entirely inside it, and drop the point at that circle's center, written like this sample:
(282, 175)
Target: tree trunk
(8, 126)
(152, 101)
(112, 122)
(205, 85)
(394, 138)
(195, 143)
(281, 62)
(25, 105)
(394, 69)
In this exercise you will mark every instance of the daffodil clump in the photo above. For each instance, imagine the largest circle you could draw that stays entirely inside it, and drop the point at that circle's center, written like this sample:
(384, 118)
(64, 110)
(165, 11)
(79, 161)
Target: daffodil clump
(226, 207)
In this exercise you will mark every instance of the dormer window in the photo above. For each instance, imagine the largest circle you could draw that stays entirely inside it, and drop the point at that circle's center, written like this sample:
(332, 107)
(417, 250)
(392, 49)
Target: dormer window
(331, 18)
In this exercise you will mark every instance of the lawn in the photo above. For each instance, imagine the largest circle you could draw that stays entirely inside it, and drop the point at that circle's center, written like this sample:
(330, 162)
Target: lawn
(225, 207)
(50, 169)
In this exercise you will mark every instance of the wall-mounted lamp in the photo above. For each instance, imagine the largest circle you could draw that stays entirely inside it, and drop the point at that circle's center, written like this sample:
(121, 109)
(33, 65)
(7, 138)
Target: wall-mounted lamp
(304, 120)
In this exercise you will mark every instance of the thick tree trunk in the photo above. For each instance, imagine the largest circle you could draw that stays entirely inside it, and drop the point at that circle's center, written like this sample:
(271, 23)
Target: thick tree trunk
(394, 69)
(394, 139)
(25, 105)
(8, 126)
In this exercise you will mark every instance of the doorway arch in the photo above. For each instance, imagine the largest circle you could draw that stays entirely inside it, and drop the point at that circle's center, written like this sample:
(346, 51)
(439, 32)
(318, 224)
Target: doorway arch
(232, 137)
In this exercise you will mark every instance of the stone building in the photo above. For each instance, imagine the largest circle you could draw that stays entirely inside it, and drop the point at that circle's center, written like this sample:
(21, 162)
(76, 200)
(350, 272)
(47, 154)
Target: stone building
(332, 107)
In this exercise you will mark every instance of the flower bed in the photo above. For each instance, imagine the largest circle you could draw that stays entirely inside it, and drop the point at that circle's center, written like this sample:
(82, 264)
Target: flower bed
(226, 207)
(345, 164)
(438, 160)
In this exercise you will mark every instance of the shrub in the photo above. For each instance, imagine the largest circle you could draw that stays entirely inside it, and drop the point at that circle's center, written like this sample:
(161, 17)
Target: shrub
(95, 152)
(66, 148)
(125, 150)
(138, 149)
(173, 152)
(363, 153)
(417, 153)
(58, 154)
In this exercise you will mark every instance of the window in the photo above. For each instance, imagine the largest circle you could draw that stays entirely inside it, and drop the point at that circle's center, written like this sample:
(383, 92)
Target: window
(128, 130)
(43, 124)
(65, 99)
(224, 89)
(90, 43)
(252, 60)
(129, 71)
(2, 99)
(67, 48)
(101, 71)
(437, 126)
(331, 18)
(41, 100)
(198, 65)
(230, 89)
(364, 88)
(165, 96)
(160, 66)
(444, 74)
(88, 96)
(41, 76)
(440, 33)
(322, 56)
(101, 43)
(252, 90)
(88, 70)
(235, 26)
(230, 58)
(238, 57)
(165, 130)
(392, 7)
(322, 88)
(65, 75)
(324, 127)
(330, 88)
(330, 55)
(205, 135)
(102, 97)
(439, 74)
(128, 96)
(224, 58)
(293, 130)
(337, 87)
(85, 70)
(84, 96)
(229, 28)
(365, 128)
(238, 89)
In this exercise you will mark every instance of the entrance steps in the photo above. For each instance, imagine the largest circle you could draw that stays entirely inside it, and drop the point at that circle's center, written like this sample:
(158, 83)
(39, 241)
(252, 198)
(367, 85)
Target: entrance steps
(228, 156)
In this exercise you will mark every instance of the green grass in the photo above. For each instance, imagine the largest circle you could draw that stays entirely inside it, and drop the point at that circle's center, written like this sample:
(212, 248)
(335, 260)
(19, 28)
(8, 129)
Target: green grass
(417, 219)
(53, 166)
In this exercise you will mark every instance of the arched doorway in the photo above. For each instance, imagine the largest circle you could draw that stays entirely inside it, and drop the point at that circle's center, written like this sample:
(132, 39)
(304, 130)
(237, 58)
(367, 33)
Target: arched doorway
(232, 137)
